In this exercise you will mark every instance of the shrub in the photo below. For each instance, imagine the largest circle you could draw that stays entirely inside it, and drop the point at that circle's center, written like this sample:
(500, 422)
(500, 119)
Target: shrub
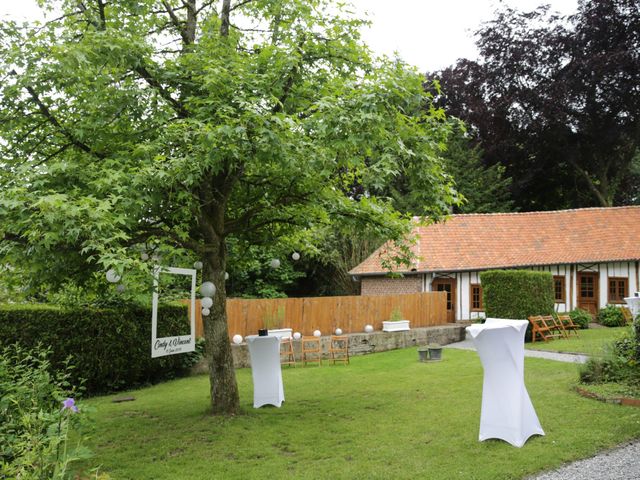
(581, 317)
(620, 363)
(611, 316)
(37, 413)
(110, 348)
(517, 294)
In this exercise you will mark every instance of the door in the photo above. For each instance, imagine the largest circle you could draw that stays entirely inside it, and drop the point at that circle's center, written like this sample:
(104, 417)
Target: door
(588, 292)
(447, 285)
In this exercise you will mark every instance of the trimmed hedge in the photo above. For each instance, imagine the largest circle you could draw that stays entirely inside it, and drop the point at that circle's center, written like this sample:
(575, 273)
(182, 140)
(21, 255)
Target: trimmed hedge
(109, 348)
(517, 294)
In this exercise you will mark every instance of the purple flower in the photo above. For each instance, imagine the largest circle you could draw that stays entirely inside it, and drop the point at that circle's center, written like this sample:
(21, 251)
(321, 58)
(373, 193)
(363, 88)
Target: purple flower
(70, 404)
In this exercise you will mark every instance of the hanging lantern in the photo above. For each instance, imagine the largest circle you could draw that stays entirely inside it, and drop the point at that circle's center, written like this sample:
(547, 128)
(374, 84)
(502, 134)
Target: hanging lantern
(297, 336)
(226, 275)
(197, 265)
(317, 333)
(338, 331)
(112, 276)
(206, 302)
(207, 289)
(205, 312)
(237, 339)
(275, 263)
(295, 256)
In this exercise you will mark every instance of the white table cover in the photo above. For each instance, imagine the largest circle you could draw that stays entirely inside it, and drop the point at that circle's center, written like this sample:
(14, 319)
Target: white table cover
(507, 412)
(634, 305)
(265, 369)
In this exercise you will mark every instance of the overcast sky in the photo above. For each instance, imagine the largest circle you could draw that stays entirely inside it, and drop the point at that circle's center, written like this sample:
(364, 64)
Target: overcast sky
(430, 34)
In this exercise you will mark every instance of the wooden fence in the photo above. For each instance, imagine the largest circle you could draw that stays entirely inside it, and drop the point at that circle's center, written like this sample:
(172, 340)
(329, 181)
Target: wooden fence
(351, 313)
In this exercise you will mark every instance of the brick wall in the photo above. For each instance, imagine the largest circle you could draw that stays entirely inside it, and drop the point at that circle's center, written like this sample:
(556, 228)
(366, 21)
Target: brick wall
(391, 286)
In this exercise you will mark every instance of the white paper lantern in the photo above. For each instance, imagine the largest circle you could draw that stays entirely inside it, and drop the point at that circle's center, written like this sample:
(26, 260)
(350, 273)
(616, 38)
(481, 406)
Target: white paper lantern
(295, 256)
(144, 256)
(207, 289)
(275, 263)
(112, 276)
(338, 331)
(206, 302)
(205, 312)
(297, 336)
(237, 339)
(226, 275)
(368, 328)
(120, 288)
(317, 333)
(197, 265)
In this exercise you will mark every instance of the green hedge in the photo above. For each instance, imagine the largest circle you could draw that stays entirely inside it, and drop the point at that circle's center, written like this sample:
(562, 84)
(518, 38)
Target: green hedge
(517, 294)
(611, 316)
(109, 348)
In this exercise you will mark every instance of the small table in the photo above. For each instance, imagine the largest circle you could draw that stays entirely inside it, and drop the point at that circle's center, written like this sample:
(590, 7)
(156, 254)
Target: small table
(634, 305)
(265, 370)
(507, 412)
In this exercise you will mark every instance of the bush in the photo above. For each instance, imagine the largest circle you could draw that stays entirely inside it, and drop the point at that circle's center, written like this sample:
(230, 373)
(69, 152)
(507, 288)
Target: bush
(611, 316)
(517, 294)
(620, 363)
(581, 317)
(37, 413)
(110, 348)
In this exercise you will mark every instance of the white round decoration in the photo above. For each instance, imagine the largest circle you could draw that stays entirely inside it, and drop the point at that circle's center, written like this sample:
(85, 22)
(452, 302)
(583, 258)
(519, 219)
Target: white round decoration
(207, 289)
(275, 263)
(295, 256)
(317, 333)
(297, 336)
(226, 275)
(112, 276)
(197, 265)
(338, 331)
(368, 328)
(206, 302)
(206, 312)
(237, 339)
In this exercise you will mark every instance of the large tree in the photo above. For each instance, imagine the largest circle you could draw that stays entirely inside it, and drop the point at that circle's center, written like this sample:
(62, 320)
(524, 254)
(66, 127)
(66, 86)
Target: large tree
(556, 100)
(179, 125)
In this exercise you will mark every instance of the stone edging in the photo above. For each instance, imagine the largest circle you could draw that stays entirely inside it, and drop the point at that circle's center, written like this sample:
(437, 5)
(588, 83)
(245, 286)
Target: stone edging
(632, 402)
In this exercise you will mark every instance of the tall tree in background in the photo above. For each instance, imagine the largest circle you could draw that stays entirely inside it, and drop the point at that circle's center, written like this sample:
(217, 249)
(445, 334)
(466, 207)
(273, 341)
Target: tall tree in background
(180, 125)
(557, 102)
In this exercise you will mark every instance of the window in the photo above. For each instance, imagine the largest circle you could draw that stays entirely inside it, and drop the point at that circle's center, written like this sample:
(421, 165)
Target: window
(476, 297)
(618, 289)
(558, 289)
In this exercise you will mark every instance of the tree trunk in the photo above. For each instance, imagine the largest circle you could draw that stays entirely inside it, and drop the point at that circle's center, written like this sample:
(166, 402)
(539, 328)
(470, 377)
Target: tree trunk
(225, 399)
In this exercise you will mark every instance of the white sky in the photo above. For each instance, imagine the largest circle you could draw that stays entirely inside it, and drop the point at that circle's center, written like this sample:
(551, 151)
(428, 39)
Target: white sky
(430, 34)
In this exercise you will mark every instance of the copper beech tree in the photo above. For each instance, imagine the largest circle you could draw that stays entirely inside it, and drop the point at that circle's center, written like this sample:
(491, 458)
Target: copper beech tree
(185, 124)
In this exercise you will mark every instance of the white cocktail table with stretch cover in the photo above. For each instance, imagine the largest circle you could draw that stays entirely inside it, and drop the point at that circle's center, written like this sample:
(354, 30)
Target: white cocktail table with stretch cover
(265, 369)
(507, 412)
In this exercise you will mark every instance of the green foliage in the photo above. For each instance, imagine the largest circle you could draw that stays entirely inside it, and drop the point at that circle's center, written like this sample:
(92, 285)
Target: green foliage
(620, 364)
(34, 426)
(581, 317)
(611, 316)
(396, 315)
(109, 348)
(517, 294)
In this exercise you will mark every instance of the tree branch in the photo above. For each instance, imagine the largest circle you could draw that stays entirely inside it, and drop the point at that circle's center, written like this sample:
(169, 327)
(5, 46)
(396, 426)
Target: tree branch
(164, 93)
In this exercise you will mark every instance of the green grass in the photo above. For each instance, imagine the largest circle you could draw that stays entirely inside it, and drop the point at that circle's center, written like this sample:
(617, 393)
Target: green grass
(589, 342)
(384, 416)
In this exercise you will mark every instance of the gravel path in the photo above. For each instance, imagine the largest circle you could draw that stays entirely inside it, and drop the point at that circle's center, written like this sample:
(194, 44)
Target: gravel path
(617, 464)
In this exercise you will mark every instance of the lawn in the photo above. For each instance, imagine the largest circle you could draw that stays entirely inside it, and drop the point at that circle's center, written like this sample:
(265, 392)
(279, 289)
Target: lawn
(593, 341)
(384, 416)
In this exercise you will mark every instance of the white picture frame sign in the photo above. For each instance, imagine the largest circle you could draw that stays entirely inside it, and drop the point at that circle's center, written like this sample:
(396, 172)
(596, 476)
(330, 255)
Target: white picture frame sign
(161, 346)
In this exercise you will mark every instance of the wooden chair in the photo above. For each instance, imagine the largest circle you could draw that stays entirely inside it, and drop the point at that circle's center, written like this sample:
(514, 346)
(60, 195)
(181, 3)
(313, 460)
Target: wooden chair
(540, 328)
(287, 357)
(628, 316)
(311, 350)
(555, 326)
(567, 324)
(339, 349)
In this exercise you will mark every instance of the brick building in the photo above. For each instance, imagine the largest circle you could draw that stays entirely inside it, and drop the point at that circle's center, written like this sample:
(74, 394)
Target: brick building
(593, 253)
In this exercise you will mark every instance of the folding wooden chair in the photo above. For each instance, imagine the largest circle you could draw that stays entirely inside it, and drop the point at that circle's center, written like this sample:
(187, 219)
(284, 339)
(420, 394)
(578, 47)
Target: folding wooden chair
(287, 357)
(555, 326)
(540, 328)
(311, 350)
(339, 349)
(567, 324)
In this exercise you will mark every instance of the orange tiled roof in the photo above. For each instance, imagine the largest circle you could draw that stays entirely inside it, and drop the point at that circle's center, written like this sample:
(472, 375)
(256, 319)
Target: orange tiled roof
(494, 240)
